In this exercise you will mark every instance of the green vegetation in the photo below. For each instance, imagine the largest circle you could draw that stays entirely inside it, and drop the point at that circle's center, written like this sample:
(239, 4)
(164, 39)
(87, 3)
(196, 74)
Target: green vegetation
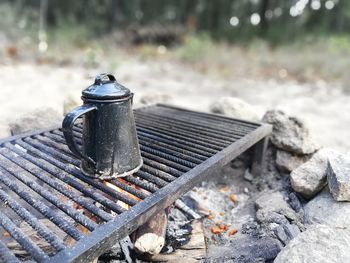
(196, 48)
(269, 38)
(233, 20)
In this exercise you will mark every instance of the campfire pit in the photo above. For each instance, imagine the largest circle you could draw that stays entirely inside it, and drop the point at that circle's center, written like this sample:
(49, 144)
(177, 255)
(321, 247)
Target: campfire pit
(78, 218)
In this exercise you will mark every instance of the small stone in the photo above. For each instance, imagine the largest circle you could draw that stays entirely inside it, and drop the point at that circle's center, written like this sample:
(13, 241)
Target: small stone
(294, 202)
(246, 249)
(319, 243)
(236, 108)
(153, 98)
(290, 134)
(338, 176)
(287, 162)
(285, 233)
(273, 208)
(248, 176)
(36, 120)
(251, 228)
(309, 178)
(323, 209)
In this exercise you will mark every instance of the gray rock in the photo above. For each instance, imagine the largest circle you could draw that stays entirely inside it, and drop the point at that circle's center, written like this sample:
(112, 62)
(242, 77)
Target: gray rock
(246, 250)
(294, 202)
(39, 119)
(319, 243)
(285, 233)
(235, 107)
(290, 134)
(253, 229)
(323, 209)
(338, 177)
(309, 178)
(273, 208)
(287, 162)
(248, 176)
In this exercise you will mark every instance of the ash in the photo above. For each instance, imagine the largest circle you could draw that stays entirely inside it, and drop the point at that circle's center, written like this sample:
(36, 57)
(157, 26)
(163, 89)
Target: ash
(229, 200)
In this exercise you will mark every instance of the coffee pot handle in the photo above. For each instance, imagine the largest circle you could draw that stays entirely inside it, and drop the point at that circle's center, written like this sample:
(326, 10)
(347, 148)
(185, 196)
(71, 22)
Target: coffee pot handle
(67, 128)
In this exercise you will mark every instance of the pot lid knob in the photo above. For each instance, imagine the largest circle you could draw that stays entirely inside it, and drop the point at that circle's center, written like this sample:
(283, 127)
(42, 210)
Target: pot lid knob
(105, 87)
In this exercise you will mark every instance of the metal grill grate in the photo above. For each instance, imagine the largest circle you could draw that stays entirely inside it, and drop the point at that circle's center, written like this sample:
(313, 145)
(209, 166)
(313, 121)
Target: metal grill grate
(51, 212)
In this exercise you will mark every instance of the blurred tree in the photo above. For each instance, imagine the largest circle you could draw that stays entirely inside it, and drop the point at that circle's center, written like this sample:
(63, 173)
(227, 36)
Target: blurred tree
(230, 19)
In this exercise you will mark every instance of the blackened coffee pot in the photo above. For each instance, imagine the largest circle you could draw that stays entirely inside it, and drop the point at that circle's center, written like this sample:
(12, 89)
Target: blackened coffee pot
(110, 147)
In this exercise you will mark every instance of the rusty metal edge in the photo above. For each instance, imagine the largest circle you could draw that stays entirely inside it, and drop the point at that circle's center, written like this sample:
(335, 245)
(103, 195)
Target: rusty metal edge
(105, 236)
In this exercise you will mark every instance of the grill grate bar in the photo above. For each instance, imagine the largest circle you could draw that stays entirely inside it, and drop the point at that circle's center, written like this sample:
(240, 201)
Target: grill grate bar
(145, 167)
(40, 206)
(22, 239)
(22, 176)
(220, 119)
(157, 162)
(76, 185)
(218, 136)
(128, 188)
(157, 172)
(42, 230)
(175, 139)
(159, 156)
(187, 137)
(214, 134)
(179, 149)
(151, 141)
(56, 138)
(192, 142)
(180, 133)
(151, 187)
(176, 157)
(6, 255)
(161, 137)
(153, 179)
(50, 142)
(67, 157)
(175, 148)
(170, 144)
(69, 169)
(164, 164)
(46, 178)
(214, 125)
(184, 137)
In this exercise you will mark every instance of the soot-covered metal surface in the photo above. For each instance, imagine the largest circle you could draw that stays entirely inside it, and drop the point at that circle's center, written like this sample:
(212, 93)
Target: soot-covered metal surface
(51, 212)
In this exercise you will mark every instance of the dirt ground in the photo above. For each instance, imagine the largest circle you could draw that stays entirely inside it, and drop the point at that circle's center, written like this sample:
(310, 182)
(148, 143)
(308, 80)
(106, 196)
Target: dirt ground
(325, 107)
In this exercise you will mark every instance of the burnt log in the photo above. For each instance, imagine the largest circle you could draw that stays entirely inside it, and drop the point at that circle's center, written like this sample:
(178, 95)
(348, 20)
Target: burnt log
(150, 237)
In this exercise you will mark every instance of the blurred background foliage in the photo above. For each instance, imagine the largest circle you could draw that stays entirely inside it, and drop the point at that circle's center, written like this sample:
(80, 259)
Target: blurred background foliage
(291, 38)
(232, 20)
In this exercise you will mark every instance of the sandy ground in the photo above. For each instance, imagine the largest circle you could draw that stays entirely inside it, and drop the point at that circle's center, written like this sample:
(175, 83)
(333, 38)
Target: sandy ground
(324, 107)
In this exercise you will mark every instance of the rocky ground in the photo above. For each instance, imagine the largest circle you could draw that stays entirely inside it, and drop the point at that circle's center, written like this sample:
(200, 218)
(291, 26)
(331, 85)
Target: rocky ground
(296, 211)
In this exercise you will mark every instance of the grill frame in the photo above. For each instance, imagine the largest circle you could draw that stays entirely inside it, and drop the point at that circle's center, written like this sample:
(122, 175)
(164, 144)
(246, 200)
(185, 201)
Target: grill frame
(106, 235)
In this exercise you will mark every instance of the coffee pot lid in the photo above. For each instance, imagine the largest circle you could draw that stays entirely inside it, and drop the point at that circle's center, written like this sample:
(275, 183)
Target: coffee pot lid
(105, 87)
